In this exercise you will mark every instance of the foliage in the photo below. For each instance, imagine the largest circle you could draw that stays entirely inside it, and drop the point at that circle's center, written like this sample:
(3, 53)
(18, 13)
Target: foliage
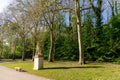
(65, 50)
(66, 44)
(6, 54)
(104, 47)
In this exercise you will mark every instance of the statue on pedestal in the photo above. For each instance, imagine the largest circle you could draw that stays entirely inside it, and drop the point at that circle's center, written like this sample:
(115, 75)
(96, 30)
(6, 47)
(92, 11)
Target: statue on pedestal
(38, 59)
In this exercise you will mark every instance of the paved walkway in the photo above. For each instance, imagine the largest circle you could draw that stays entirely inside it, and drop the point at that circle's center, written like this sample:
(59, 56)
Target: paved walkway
(9, 74)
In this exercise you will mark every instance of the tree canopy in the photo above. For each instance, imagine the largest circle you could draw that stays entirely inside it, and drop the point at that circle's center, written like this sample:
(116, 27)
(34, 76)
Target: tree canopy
(84, 30)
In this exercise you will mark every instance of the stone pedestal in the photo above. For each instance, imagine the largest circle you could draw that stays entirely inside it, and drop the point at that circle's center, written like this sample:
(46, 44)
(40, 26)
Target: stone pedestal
(38, 62)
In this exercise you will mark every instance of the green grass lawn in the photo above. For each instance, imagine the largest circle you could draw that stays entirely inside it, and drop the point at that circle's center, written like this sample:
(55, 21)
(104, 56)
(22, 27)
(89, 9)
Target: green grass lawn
(71, 70)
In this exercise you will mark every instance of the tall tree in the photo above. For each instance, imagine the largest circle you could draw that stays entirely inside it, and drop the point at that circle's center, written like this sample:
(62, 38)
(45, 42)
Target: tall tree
(22, 23)
(50, 14)
(113, 6)
(79, 28)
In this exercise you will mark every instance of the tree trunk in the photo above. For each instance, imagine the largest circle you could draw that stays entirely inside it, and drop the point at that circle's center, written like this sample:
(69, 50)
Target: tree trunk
(0, 55)
(23, 52)
(98, 12)
(116, 6)
(52, 46)
(35, 39)
(1, 49)
(34, 49)
(79, 30)
(14, 51)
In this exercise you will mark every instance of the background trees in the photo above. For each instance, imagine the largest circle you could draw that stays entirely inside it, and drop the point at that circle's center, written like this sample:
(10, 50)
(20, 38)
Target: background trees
(53, 24)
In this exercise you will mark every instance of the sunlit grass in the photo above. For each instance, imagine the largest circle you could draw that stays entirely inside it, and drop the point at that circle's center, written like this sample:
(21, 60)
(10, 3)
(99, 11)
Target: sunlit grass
(72, 70)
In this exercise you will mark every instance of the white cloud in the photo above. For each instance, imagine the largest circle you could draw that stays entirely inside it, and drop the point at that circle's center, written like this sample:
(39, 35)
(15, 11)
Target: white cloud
(4, 4)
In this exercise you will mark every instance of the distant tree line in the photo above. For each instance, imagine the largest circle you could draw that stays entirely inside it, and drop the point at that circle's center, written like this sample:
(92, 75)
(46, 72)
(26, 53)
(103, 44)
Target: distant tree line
(84, 30)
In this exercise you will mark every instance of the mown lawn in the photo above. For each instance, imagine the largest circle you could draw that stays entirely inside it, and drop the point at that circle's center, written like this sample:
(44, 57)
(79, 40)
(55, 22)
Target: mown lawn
(60, 70)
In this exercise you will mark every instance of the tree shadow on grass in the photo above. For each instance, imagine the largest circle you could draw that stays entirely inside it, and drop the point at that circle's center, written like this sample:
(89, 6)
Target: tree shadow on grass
(74, 67)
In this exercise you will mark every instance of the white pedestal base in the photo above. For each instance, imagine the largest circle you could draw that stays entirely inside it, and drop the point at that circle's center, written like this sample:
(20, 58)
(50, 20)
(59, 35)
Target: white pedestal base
(38, 63)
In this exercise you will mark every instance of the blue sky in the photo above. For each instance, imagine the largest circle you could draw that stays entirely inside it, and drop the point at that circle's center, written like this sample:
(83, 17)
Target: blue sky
(4, 4)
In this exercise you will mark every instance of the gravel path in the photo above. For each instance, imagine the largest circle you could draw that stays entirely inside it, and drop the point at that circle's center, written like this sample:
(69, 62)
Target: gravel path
(10, 74)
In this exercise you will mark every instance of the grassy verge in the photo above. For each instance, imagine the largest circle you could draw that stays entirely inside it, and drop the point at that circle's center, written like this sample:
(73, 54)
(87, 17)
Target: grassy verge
(72, 70)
